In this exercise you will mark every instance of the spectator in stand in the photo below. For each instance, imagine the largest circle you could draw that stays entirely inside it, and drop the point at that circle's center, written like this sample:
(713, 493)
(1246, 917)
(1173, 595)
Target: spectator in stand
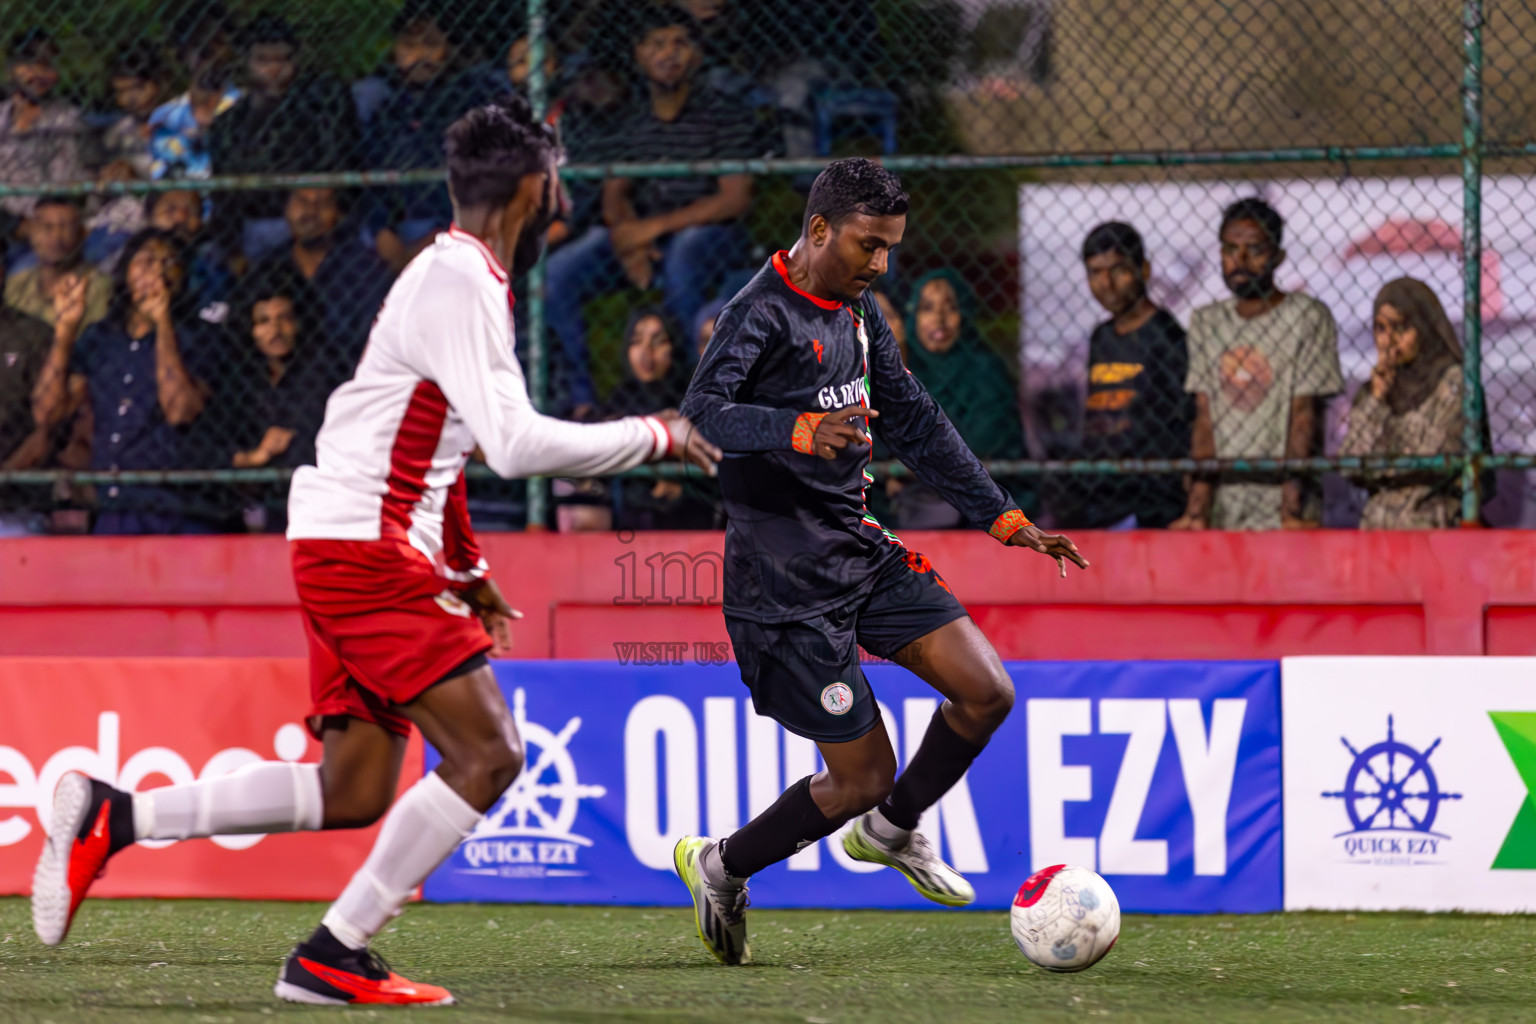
(143, 370)
(288, 122)
(24, 345)
(1260, 366)
(275, 393)
(406, 109)
(203, 35)
(658, 370)
(179, 129)
(587, 92)
(1137, 407)
(970, 382)
(138, 90)
(1410, 406)
(687, 226)
(41, 137)
(349, 278)
(209, 281)
(178, 142)
(734, 41)
(893, 320)
(519, 68)
(704, 328)
(125, 154)
(56, 229)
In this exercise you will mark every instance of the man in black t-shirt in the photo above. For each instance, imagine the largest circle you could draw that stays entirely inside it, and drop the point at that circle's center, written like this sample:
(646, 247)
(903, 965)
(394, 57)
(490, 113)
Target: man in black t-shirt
(1137, 407)
(288, 122)
(680, 233)
(801, 362)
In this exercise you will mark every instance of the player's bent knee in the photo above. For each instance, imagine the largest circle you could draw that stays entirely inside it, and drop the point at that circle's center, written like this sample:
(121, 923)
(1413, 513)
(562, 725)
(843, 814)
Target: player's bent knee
(863, 793)
(989, 706)
(355, 807)
(486, 769)
(1001, 701)
(506, 765)
(875, 795)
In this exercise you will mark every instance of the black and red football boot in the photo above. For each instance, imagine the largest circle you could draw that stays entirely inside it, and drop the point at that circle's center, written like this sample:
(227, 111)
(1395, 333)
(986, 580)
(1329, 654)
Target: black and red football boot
(324, 971)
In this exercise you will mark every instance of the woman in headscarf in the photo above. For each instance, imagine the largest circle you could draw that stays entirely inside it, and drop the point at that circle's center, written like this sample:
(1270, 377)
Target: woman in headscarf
(656, 378)
(1410, 406)
(704, 327)
(970, 382)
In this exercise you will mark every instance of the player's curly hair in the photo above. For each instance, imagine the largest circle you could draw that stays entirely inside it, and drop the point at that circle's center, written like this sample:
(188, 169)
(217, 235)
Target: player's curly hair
(854, 185)
(492, 147)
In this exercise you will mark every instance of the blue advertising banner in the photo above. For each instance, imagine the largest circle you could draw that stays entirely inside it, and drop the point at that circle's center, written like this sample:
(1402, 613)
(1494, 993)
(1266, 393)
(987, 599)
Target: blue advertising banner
(1162, 776)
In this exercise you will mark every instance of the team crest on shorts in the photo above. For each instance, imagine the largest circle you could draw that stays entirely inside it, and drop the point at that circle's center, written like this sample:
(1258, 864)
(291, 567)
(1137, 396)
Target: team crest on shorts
(453, 604)
(837, 699)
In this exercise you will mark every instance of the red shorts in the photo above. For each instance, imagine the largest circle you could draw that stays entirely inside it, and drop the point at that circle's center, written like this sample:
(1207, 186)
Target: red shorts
(383, 626)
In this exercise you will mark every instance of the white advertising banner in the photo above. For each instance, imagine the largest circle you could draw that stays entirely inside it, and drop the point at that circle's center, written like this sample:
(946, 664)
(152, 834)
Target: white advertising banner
(1344, 239)
(1407, 783)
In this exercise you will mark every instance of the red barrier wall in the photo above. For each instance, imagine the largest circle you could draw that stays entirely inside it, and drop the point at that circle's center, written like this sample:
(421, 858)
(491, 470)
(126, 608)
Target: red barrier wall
(1148, 595)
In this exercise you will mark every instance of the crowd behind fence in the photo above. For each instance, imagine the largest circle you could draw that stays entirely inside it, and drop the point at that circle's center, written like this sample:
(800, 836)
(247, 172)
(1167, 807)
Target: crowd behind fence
(1245, 266)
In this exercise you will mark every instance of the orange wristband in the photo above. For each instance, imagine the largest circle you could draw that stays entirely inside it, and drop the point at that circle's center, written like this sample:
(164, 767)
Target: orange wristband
(803, 440)
(1008, 524)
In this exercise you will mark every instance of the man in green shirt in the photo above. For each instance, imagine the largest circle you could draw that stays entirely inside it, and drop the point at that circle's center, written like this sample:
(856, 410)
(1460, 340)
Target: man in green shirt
(56, 229)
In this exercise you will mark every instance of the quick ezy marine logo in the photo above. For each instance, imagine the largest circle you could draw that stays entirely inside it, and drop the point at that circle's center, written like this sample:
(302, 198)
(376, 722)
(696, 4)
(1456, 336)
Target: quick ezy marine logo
(1392, 797)
(528, 834)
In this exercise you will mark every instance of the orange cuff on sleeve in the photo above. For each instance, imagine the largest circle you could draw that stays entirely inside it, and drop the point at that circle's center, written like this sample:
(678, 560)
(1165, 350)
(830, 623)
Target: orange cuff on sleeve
(803, 440)
(1008, 524)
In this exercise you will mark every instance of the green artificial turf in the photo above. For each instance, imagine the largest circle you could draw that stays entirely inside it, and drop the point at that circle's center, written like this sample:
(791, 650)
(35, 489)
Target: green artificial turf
(212, 961)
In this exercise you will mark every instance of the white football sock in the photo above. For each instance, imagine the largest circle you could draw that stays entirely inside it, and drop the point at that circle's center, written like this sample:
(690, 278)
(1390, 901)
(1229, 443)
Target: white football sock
(272, 796)
(418, 835)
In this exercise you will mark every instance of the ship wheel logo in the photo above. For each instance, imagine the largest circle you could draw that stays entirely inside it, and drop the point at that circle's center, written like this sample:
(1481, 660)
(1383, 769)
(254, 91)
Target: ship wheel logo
(1391, 787)
(544, 799)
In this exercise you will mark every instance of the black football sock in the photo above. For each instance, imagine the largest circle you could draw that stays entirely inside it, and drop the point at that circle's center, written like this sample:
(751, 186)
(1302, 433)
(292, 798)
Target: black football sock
(792, 822)
(119, 816)
(938, 764)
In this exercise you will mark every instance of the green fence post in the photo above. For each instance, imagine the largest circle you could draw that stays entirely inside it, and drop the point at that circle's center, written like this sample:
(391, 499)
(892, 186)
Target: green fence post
(1472, 253)
(538, 364)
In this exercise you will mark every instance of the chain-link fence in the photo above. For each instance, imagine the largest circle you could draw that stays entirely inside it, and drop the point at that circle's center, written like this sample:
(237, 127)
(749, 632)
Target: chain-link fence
(1153, 270)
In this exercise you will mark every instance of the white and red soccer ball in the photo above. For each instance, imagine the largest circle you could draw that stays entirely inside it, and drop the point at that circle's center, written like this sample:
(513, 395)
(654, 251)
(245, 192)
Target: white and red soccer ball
(1065, 918)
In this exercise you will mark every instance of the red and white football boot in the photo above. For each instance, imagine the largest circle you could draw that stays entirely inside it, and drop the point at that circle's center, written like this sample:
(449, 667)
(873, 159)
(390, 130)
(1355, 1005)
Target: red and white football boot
(91, 822)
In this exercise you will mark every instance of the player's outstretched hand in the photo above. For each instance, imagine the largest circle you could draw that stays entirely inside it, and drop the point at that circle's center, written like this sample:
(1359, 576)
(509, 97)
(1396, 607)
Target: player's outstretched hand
(835, 432)
(485, 598)
(1054, 544)
(688, 444)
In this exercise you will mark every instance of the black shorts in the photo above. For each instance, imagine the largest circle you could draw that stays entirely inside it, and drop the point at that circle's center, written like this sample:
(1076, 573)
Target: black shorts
(806, 675)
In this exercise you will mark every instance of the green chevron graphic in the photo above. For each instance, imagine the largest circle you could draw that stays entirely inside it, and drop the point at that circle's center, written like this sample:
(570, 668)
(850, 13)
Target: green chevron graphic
(1518, 731)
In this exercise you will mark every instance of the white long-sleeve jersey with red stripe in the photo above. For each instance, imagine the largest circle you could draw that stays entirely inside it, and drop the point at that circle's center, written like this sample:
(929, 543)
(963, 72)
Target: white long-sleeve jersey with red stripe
(438, 378)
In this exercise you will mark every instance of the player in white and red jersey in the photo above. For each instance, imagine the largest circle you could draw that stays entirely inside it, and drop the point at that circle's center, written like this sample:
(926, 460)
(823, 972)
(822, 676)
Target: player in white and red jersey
(398, 605)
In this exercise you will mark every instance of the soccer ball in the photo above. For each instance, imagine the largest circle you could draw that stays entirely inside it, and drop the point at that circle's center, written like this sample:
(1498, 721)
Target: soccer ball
(1065, 918)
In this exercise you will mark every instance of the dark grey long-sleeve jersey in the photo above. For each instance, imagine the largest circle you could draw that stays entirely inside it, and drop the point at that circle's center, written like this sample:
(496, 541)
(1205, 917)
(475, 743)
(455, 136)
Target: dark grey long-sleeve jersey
(799, 539)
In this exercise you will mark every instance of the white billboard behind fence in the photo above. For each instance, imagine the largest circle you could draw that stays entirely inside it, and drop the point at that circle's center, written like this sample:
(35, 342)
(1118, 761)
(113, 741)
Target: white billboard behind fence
(1407, 783)
(1343, 241)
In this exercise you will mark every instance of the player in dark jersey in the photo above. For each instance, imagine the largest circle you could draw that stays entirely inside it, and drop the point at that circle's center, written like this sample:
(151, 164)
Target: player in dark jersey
(800, 363)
